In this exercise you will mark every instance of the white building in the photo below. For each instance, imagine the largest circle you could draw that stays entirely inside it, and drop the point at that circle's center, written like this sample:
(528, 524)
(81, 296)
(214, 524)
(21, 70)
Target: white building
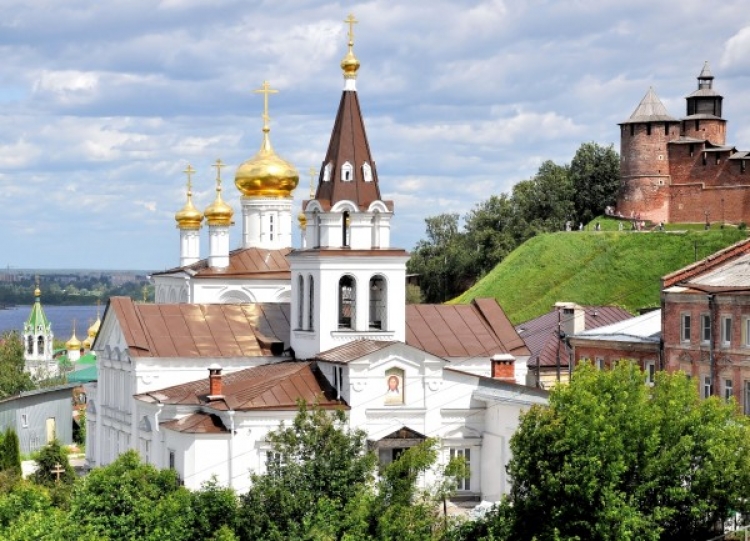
(198, 387)
(38, 341)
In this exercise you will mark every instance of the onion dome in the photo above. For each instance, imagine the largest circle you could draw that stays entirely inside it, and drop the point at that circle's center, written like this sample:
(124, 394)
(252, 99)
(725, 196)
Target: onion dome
(189, 217)
(73, 344)
(350, 64)
(37, 291)
(94, 329)
(218, 212)
(87, 344)
(266, 174)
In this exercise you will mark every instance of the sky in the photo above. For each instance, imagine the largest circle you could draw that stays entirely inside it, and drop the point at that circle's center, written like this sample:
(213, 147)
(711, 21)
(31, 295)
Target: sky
(104, 103)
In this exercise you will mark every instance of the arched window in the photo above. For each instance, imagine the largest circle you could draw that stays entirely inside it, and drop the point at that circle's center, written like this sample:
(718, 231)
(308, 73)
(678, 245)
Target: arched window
(300, 302)
(345, 223)
(367, 172)
(316, 230)
(40, 345)
(30, 345)
(347, 172)
(375, 237)
(327, 172)
(378, 306)
(311, 303)
(347, 302)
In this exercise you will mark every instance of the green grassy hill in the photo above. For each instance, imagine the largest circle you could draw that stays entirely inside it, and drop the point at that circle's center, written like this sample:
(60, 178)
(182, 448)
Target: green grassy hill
(603, 267)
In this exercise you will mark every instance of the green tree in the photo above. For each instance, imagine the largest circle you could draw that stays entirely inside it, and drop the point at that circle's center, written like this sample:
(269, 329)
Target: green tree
(317, 467)
(128, 500)
(13, 379)
(614, 459)
(10, 453)
(48, 459)
(595, 177)
(213, 507)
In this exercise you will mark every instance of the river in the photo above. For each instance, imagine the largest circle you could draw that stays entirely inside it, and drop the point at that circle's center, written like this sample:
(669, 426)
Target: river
(62, 317)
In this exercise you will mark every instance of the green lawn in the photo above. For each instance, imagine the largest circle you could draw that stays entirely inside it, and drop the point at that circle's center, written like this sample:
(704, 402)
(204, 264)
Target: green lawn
(594, 267)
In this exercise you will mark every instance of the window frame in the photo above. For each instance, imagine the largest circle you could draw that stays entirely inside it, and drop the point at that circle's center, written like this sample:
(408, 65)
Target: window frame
(726, 331)
(705, 330)
(728, 389)
(649, 367)
(686, 322)
(462, 485)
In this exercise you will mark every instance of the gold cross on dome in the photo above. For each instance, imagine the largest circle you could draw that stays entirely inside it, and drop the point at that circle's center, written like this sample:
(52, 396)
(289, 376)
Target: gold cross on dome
(351, 21)
(189, 172)
(313, 173)
(266, 90)
(218, 165)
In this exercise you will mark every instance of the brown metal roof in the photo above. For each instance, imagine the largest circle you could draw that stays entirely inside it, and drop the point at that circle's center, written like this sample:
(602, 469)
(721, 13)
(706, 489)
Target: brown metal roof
(278, 386)
(353, 350)
(479, 329)
(255, 263)
(197, 423)
(202, 330)
(542, 338)
(348, 144)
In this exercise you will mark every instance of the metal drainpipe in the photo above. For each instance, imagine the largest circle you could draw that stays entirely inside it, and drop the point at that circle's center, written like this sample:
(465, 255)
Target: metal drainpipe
(231, 448)
(712, 342)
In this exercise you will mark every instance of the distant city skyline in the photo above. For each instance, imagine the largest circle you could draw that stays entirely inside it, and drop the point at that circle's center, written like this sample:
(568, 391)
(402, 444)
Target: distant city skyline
(105, 103)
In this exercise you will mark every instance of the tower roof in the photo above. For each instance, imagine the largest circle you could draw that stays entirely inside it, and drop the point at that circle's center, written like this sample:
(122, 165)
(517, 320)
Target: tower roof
(650, 109)
(348, 172)
(705, 84)
(706, 72)
(37, 317)
(218, 213)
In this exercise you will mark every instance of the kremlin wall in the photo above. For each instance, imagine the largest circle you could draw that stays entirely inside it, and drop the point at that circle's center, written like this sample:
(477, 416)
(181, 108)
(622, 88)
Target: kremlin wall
(682, 170)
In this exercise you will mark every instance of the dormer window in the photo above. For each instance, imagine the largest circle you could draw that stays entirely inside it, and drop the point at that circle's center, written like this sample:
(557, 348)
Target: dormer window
(327, 172)
(367, 172)
(347, 172)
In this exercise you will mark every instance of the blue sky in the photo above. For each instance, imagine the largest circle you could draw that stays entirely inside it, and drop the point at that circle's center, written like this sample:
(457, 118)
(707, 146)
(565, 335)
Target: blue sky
(104, 103)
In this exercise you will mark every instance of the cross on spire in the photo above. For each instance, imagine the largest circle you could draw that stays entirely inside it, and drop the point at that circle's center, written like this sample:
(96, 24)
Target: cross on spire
(218, 165)
(313, 173)
(351, 21)
(189, 172)
(265, 90)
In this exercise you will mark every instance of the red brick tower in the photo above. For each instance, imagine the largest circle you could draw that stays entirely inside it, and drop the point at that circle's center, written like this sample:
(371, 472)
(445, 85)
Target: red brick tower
(703, 120)
(644, 160)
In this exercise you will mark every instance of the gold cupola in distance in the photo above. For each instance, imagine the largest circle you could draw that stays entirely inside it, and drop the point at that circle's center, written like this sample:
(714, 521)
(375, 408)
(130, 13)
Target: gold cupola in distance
(189, 217)
(218, 213)
(266, 174)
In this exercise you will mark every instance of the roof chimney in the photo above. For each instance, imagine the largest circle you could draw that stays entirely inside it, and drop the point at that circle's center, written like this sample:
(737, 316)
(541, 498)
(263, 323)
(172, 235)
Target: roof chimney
(214, 381)
(503, 367)
(571, 317)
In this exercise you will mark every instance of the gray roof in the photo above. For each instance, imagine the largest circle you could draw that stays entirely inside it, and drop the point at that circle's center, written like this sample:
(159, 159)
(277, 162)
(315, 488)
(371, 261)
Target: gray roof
(645, 328)
(739, 155)
(734, 274)
(702, 116)
(706, 72)
(651, 109)
(705, 93)
(684, 139)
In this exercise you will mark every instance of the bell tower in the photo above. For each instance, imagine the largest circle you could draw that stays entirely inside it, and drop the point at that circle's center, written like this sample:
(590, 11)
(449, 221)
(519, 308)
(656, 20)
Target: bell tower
(348, 283)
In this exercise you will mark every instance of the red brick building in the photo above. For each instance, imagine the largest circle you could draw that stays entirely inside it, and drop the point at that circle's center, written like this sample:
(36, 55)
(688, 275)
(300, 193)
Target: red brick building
(682, 170)
(706, 323)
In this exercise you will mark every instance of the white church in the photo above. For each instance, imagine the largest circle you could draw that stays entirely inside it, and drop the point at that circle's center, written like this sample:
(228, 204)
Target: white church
(198, 379)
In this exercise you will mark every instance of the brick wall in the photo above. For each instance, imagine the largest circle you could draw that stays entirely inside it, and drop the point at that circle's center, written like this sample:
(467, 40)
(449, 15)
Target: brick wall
(715, 130)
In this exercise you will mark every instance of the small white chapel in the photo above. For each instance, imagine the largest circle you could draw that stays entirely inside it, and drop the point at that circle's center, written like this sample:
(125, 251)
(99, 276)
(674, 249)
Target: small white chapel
(198, 379)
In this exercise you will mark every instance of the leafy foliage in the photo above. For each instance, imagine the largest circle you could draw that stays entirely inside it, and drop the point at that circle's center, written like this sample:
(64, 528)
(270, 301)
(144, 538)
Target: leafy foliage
(48, 459)
(614, 459)
(10, 453)
(450, 260)
(13, 379)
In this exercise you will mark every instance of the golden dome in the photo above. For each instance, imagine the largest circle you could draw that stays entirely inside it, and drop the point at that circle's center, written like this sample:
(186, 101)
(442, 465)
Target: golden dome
(350, 64)
(87, 344)
(189, 217)
(73, 344)
(266, 174)
(302, 219)
(37, 292)
(218, 212)
(94, 329)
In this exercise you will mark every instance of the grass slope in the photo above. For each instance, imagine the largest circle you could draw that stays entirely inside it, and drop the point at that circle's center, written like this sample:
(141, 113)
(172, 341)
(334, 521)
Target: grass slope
(603, 267)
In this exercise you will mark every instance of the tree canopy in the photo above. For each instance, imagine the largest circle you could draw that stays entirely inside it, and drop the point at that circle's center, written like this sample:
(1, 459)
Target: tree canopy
(13, 379)
(614, 459)
(451, 258)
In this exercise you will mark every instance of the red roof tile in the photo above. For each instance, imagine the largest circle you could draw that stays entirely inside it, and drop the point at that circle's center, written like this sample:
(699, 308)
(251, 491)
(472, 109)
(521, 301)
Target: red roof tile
(248, 263)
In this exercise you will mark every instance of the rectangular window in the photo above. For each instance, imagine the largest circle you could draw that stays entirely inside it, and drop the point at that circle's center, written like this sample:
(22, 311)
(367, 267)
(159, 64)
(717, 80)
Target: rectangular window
(24, 421)
(666, 128)
(742, 166)
(171, 460)
(746, 332)
(648, 129)
(685, 331)
(705, 328)
(463, 484)
(650, 369)
(726, 331)
(728, 390)
(632, 130)
(599, 363)
(747, 398)
(706, 386)
(692, 149)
